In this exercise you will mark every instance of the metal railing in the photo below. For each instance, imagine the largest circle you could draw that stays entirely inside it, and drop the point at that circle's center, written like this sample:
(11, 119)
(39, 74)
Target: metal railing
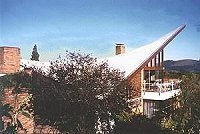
(161, 87)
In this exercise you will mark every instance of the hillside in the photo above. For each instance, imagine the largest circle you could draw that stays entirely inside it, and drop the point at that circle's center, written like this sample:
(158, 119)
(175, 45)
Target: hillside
(186, 65)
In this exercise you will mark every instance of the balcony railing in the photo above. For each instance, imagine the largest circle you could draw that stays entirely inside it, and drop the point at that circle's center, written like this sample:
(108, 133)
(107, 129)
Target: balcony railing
(161, 87)
(161, 91)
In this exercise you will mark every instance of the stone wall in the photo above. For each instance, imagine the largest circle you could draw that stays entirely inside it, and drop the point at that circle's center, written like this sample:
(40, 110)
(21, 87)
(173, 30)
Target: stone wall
(9, 60)
(28, 123)
(9, 97)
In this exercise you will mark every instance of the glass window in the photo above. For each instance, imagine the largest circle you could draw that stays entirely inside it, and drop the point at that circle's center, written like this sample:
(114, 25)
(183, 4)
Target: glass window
(150, 107)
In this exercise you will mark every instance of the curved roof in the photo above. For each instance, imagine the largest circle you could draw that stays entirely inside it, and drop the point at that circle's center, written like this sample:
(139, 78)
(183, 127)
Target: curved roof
(31, 64)
(134, 60)
(128, 62)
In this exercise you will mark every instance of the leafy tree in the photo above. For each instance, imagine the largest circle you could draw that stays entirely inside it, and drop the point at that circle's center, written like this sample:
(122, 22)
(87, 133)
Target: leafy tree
(35, 55)
(127, 123)
(183, 116)
(190, 103)
(5, 111)
(79, 95)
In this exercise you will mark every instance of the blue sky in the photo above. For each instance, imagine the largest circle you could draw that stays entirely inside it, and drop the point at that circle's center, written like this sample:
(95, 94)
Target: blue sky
(94, 26)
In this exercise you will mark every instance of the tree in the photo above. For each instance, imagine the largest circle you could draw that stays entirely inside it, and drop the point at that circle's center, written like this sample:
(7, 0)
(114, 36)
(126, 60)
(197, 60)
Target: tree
(79, 95)
(190, 103)
(35, 55)
(137, 124)
(183, 116)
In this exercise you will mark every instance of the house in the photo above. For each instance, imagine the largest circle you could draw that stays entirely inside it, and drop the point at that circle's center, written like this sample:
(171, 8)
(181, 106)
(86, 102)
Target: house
(143, 67)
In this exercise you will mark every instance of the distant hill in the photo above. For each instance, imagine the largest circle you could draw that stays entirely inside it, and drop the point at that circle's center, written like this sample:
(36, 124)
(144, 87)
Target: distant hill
(186, 65)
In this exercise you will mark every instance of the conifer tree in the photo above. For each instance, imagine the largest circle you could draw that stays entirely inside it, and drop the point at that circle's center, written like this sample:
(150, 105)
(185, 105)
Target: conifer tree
(35, 55)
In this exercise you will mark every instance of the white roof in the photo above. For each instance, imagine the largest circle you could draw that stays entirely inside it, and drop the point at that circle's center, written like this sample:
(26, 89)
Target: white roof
(127, 62)
(130, 62)
(2, 75)
(37, 64)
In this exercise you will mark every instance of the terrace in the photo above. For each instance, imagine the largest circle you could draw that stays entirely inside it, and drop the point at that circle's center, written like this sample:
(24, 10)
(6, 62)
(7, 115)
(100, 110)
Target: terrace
(161, 91)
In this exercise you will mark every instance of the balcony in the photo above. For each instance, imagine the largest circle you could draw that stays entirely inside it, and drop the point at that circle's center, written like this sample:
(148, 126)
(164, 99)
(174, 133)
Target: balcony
(160, 91)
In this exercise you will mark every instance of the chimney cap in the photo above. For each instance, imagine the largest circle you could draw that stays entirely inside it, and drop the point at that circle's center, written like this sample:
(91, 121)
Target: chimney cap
(119, 44)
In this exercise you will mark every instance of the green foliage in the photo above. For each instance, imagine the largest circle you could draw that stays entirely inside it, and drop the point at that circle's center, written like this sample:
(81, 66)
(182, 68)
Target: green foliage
(26, 107)
(78, 93)
(137, 124)
(190, 102)
(124, 116)
(183, 116)
(5, 111)
(7, 81)
(35, 55)
(18, 82)
(10, 127)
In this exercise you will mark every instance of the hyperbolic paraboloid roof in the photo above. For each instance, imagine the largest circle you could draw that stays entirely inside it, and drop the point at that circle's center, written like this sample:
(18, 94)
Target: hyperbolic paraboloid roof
(134, 60)
(130, 62)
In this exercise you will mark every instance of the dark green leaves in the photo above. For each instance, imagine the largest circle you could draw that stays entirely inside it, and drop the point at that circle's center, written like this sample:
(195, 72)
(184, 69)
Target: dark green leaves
(35, 55)
(77, 92)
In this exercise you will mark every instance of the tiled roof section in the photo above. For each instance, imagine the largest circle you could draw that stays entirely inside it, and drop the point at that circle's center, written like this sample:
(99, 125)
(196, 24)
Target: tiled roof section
(133, 61)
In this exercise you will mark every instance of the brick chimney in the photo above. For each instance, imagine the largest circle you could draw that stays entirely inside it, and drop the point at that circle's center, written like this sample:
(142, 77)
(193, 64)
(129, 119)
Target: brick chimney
(9, 60)
(120, 48)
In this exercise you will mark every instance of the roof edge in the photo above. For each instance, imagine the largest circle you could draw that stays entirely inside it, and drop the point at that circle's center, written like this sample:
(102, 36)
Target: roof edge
(176, 32)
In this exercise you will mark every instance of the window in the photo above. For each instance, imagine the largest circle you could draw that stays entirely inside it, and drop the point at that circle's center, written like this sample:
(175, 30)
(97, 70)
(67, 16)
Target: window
(150, 108)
